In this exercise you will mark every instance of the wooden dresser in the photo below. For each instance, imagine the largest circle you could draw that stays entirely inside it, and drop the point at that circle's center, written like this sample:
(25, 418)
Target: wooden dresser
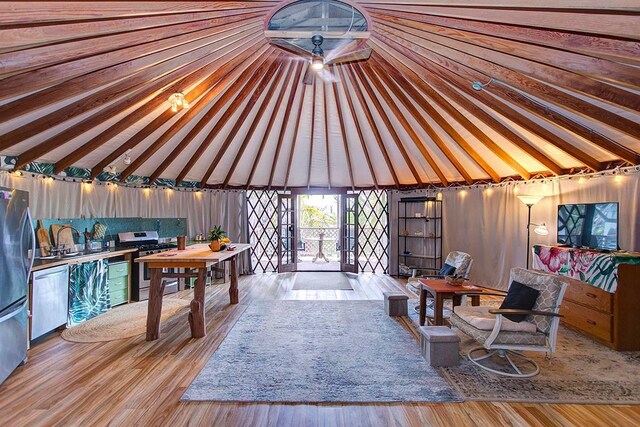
(612, 318)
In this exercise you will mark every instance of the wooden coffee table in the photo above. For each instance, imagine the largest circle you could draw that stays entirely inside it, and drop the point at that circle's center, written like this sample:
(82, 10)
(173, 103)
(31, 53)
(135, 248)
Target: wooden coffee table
(439, 290)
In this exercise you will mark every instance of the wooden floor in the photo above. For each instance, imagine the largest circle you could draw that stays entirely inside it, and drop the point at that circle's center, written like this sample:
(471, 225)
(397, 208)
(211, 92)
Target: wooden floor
(133, 382)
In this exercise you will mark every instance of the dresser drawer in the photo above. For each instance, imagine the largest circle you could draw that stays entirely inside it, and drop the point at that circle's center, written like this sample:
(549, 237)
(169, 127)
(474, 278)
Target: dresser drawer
(590, 296)
(119, 297)
(588, 320)
(119, 284)
(118, 269)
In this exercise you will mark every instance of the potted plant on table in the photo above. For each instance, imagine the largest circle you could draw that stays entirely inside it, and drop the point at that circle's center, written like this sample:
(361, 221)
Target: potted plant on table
(215, 235)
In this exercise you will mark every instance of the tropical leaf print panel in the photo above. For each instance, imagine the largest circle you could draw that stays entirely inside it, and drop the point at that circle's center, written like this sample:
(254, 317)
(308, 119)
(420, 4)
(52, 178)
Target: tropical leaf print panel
(88, 291)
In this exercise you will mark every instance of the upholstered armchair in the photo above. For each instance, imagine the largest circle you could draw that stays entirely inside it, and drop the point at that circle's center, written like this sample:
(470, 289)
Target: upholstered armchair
(506, 338)
(461, 263)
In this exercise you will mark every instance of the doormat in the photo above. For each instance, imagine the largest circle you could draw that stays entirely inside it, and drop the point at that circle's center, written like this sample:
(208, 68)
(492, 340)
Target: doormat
(321, 281)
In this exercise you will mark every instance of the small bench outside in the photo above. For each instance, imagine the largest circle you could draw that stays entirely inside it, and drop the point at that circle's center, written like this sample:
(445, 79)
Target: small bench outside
(395, 304)
(439, 346)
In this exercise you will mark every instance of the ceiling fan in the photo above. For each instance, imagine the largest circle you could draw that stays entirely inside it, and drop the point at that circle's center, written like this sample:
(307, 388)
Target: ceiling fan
(317, 58)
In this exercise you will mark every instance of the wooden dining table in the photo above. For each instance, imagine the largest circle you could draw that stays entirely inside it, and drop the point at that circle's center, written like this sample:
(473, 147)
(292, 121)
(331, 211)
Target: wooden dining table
(198, 258)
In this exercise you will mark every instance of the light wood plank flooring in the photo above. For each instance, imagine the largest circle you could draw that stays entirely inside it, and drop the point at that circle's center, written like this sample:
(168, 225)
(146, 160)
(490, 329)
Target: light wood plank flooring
(133, 382)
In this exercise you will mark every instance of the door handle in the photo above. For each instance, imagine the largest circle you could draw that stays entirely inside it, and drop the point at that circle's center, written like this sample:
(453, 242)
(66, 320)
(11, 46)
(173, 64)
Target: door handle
(14, 313)
(291, 228)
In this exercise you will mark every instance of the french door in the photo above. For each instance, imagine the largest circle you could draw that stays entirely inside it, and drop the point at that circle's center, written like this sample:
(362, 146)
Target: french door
(286, 233)
(349, 232)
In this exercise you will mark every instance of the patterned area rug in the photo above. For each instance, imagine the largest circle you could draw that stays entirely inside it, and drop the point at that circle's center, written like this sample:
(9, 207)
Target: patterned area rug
(318, 351)
(581, 371)
(321, 281)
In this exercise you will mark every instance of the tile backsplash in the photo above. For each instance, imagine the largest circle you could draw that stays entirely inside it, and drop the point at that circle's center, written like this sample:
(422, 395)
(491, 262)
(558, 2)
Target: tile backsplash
(166, 227)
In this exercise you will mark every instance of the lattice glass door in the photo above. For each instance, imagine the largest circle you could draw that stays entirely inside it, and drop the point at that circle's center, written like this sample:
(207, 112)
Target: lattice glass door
(286, 233)
(349, 246)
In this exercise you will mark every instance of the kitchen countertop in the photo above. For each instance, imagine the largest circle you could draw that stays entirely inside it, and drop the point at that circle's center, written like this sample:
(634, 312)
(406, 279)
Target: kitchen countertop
(41, 264)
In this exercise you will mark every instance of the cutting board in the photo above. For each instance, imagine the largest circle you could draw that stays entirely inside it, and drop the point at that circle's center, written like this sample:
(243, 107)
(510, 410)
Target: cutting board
(66, 235)
(43, 239)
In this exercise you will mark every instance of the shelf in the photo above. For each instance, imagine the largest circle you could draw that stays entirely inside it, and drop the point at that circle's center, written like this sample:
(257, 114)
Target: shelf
(419, 256)
(422, 237)
(420, 217)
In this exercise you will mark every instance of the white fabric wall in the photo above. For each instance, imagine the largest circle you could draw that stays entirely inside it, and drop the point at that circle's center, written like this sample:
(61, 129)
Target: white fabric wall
(66, 199)
(491, 224)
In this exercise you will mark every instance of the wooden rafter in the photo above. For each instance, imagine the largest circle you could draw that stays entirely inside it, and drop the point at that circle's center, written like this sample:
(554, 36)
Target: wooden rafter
(460, 62)
(256, 120)
(253, 99)
(455, 113)
(361, 138)
(421, 145)
(294, 139)
(325, 107)
(385, 72)
(313, 125)
(598, 68)
(285, 122)
(374, 127)
(343, 133)
(212, 86)
(272, 120)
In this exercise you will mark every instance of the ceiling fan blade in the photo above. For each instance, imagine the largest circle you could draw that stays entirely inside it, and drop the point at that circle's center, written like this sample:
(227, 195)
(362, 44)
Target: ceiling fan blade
(358, 55)
(342, 47)
(290, 47)
(328, 77)
(309, 75)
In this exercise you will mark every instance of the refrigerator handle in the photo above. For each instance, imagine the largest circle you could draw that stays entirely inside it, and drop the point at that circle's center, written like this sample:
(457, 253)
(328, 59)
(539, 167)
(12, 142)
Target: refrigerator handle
(32, 235)
(14, 313)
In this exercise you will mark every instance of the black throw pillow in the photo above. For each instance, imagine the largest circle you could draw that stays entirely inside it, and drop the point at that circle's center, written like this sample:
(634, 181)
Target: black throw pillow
(519, 297)
(447, 270)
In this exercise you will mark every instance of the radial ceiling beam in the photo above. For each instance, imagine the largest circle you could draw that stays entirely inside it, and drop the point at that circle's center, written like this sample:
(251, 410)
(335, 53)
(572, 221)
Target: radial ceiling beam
(615, 49)
(267, 67)
(160, 89)
(343, 133)
(374, 127)
(421, 145)
(458, 115)
(86, 73)
(40, 57)
(244, 115)
(478, 55)
(199, 98)
(292, 81)
(393, 79)
(356, 122)
(257, 119)
(459, 62)
(285, 123)
(294, 140)
(557, 119)
(313, 125)
(598, 68)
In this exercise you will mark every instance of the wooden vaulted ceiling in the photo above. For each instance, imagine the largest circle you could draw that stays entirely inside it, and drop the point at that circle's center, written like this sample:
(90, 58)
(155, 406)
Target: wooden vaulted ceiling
(82, 83)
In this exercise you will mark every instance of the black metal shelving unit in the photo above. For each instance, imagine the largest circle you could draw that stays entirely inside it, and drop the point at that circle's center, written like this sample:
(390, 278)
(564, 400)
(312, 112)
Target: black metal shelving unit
(420, 237)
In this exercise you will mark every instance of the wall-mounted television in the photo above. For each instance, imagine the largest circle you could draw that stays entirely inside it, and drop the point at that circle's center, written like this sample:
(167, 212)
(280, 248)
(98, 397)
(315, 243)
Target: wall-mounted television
(591, 225)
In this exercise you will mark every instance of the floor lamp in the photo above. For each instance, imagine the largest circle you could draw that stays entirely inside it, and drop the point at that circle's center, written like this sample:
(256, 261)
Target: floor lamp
(540, 229)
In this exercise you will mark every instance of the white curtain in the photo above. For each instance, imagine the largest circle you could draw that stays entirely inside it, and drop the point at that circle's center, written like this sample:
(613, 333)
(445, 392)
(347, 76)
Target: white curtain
(491, 225)
(67, 199)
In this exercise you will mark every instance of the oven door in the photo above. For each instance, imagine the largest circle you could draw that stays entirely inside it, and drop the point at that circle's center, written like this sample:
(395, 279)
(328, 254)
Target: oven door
(144, 277)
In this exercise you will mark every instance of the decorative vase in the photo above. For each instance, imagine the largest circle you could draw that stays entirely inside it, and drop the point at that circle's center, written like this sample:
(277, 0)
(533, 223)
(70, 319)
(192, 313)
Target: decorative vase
(215, 245)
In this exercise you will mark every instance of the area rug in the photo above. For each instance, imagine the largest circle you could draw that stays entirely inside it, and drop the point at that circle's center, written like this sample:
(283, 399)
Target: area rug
(580, 371)
(125, 321)
(315, 352)
(321, 281)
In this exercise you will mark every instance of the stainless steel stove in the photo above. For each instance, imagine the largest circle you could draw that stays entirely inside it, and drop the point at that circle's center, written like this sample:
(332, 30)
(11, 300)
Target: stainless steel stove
(147, 243)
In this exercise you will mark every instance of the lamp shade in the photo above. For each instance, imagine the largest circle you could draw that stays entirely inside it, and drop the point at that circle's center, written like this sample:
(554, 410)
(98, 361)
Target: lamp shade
(530, 200)
(541, 229)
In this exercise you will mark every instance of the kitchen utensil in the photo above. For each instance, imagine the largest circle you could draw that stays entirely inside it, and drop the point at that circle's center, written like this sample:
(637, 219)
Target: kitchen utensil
(43, 239)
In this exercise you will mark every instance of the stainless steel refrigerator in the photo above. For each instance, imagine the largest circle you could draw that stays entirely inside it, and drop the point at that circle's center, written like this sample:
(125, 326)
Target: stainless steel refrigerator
(17, 249)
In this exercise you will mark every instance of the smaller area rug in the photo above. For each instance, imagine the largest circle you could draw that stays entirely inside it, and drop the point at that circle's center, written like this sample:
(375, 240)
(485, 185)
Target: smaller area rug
(318, 351)
(125, 321)
(581, 371)
(321, 281)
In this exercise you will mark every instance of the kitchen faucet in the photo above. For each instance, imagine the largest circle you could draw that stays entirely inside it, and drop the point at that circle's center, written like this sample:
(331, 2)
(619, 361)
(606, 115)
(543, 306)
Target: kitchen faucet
(60, 248)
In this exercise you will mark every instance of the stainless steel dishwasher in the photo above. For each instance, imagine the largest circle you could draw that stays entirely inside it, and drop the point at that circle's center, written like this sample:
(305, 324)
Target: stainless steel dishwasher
(49, 300)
